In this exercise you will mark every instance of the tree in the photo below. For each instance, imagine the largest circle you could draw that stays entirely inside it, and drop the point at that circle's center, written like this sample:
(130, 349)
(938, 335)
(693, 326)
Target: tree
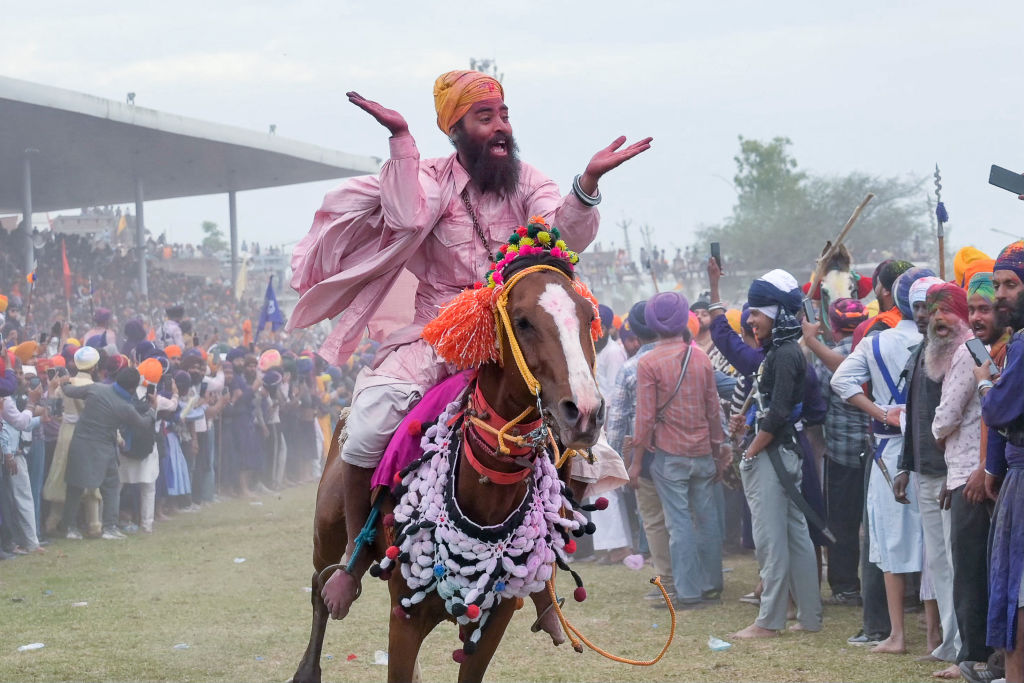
(783, 216)
(213, 242)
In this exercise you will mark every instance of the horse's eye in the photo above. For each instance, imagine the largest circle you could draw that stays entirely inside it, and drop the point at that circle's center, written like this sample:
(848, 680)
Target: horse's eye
(523, 324)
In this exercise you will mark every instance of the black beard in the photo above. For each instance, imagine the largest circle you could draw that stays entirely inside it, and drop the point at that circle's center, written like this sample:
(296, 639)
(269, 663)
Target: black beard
(1014, 317)
(489, 173)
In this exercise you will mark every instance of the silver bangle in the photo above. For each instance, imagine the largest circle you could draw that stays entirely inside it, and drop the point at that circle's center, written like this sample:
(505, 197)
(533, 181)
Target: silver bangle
(585, 198)
(985, 384)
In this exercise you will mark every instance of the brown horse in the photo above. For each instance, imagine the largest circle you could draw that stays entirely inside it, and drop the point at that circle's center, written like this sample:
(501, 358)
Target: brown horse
(551, 325)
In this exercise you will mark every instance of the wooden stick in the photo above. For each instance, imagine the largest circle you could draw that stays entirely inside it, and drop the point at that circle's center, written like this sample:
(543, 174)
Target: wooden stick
(824, 259)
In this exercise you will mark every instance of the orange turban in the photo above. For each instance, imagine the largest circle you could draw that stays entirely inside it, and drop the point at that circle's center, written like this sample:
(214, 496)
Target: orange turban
(151, 371)
(693, 325)
(3, 303)
(173, 351)
(964, 258)
(456, 91)
(986, 265)
(734, 316)
(25, 350)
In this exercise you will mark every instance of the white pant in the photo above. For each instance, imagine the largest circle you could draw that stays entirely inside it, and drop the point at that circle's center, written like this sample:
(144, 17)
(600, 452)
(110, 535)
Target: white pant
(20, 489)
(939, 566)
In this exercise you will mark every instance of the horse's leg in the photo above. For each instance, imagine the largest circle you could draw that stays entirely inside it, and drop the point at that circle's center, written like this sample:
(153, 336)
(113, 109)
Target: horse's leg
(475, 665)
(405, 636)
(309, 667)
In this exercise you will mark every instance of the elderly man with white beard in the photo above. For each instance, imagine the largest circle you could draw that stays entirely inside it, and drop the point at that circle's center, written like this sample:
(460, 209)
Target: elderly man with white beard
(958, 427)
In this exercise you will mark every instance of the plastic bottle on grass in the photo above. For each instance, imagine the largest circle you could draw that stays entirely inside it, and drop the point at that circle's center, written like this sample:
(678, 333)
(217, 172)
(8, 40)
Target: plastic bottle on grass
(717, 644)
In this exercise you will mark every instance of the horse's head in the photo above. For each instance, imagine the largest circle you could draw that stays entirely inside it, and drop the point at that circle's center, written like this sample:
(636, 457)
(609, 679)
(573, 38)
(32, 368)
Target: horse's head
(550, 321)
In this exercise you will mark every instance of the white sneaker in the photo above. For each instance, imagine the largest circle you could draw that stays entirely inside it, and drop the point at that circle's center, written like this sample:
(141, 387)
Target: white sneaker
(112, 534)
(74, 535)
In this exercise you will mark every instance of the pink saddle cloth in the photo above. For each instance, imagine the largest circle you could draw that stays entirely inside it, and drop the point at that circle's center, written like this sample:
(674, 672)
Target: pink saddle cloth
(404, 446)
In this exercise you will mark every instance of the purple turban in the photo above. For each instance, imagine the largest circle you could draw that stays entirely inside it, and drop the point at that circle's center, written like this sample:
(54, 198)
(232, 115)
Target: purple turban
(607, 317)
(667, 313)
(901, 288)
(637, 321)
(1012, 258)
(101, 317)
(845, 314)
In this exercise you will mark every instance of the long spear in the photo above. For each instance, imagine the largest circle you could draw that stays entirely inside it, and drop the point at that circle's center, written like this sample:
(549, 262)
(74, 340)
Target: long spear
(943, 217)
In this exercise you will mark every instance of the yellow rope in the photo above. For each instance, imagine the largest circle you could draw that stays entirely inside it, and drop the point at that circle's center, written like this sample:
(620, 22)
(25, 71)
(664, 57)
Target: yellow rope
(502, 433)
(575, 637)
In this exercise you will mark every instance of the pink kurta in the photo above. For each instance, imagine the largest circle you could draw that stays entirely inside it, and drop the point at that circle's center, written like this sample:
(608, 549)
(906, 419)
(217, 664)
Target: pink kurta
(413, 217)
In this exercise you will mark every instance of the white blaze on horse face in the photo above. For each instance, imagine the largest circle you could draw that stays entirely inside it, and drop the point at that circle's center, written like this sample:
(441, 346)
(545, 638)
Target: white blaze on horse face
(560, 306)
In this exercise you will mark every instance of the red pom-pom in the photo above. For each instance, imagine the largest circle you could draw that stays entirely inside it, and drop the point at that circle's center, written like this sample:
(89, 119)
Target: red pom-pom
(570, 546)
(398, 477)
(459, 656)
(601, 503)
(522, 231)
(415, 427)
(392, 552)
(580, 594)
(472, 611)
(389, 520)
(400, 612)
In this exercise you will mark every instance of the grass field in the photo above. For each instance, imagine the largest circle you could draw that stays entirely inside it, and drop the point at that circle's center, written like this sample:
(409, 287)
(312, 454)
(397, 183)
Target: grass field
(250, 620)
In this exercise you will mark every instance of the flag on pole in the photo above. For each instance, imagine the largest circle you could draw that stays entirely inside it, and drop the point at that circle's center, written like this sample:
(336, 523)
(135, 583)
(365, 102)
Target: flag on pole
(270, 311)
(67, 270)
(122, 224)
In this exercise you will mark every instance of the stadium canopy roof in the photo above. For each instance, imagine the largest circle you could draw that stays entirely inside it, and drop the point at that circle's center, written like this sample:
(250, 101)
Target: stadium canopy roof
(89, 151)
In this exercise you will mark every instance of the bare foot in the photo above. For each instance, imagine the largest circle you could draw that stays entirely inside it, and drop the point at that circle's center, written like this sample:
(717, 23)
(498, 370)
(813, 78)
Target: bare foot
(340, 591)
(952, 672)
(755, 631)
(891, 646)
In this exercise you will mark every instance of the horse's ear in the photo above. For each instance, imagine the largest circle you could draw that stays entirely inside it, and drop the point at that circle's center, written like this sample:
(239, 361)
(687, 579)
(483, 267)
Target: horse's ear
(584, 291)
(464, 332)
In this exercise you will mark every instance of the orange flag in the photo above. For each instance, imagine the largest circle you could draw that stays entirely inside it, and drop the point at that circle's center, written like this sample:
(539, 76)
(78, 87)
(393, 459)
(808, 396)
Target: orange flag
(67, 270)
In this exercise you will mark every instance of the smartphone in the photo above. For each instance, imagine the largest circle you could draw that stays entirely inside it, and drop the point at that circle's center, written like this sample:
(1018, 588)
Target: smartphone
(151, 389)
(980, 354)
(1006, 179)
(809, 313)
(716, 253)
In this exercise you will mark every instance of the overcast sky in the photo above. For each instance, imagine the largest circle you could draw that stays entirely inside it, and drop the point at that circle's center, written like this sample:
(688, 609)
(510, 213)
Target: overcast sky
(885, 88)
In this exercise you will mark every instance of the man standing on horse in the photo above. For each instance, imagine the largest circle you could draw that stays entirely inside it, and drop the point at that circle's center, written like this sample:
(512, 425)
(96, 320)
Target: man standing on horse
(442, 220)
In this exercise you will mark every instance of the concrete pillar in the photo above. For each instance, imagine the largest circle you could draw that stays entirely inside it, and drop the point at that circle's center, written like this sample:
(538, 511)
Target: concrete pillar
(140, 238)
(233, 222)
(26, 208)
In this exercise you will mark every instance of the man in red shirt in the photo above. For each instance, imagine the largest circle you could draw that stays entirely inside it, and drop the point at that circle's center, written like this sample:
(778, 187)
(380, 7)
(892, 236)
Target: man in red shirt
(678, 418)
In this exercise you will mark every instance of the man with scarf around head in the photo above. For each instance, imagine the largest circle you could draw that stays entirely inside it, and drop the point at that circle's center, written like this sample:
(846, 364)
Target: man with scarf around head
(923, 455)
(678, 419)
(894, 529)
(846, 430)
(92, 458)
(882, 282)
(619, 426)
(442, 220)
(957, 427)
(1002, 407)
(782, 539)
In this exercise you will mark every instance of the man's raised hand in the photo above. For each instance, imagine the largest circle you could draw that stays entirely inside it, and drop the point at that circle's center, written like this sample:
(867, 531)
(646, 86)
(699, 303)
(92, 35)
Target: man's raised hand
(389, 118)
(608, 158)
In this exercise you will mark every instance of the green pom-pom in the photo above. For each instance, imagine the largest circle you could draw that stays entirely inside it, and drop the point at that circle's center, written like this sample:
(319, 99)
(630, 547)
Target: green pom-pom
(554, 233)
(514, 239)
(498, 256)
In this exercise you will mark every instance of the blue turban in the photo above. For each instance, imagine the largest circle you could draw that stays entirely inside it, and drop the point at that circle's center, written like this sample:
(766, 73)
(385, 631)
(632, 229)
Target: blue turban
(607, 318)
(304, 366)
(144, 350)
(901, 288)
(235, 353)
(776, 288)
(637, 321)
(271, 378)
(667, 313)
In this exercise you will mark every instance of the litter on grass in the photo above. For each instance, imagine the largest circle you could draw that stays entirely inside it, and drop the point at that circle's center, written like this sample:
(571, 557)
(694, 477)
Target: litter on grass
(79, 604)
(239, 560)
(380, 658)
(258, 658)
(181, 646)
(256, 503)
(717, 644)
(328, 657)
(634, 562)
(308, 589)
(31, 646)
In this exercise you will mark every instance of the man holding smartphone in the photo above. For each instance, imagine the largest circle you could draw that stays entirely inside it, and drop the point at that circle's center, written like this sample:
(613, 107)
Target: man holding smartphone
(1002, 407)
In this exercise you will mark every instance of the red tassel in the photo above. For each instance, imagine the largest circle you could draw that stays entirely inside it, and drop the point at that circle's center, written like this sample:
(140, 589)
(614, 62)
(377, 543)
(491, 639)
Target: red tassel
(464, 332)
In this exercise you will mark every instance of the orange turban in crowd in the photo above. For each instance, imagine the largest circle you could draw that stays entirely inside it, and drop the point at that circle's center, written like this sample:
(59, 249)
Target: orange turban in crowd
(963, 259)
(151, 371)
(172, 351)
(985, 265)
(734, 316)
(25, 350)
(456, 91)
(3, 303)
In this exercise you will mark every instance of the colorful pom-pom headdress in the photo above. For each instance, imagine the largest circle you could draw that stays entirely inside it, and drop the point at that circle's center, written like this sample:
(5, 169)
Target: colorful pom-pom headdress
(466, 331)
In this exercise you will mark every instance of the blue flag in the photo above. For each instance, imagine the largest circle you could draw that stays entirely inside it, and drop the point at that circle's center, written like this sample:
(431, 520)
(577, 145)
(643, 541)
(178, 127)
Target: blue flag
(270, 312)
